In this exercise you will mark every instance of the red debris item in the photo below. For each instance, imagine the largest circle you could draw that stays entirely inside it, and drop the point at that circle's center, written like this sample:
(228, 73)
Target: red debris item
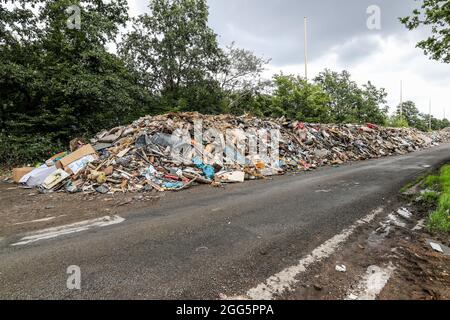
(372, 126)
(172, 177)
(305, 165)
(301, 126)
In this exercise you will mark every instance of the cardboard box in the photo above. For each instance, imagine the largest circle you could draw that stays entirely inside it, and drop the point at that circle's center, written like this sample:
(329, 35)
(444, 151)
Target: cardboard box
(18, 173)
(76, 155)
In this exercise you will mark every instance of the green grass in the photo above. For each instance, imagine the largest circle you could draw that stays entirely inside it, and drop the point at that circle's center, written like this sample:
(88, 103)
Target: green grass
(439, 220)
(431, 182)
(430, 197)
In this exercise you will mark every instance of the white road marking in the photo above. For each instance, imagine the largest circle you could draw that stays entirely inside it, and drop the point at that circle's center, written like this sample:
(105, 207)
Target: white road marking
(34, 221)
(51, 233)
(284, 280)
(372, 283)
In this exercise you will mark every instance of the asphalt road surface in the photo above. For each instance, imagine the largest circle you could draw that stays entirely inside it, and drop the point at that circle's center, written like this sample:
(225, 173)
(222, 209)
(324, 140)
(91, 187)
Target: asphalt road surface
(205, 241)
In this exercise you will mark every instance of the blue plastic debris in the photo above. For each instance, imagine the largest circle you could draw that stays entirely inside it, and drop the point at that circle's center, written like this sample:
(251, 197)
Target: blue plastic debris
(208, 171)
(173, 185)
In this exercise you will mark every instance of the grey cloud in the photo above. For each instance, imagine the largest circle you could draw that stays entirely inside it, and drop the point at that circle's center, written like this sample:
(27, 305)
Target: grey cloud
(275, 27)
(357, 49)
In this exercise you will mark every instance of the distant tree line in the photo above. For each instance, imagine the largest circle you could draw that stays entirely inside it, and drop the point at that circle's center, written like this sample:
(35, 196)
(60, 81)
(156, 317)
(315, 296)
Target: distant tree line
(57, 83)
(407, 115)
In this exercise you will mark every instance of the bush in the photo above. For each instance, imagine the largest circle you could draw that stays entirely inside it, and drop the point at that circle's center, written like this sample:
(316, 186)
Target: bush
(430, 197)
(431, 182)
(398, 122)
(26, 150)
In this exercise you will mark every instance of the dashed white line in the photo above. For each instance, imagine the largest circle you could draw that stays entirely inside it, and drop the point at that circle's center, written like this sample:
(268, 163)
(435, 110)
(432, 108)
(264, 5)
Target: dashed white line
(284, 280)
(54, 232)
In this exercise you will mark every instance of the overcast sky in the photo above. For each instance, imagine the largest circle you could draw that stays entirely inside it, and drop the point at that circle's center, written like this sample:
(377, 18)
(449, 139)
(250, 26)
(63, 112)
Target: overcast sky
(338, 39)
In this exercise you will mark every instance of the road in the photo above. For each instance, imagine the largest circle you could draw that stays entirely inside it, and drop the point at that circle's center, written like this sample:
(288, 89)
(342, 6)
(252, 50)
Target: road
(206, 241)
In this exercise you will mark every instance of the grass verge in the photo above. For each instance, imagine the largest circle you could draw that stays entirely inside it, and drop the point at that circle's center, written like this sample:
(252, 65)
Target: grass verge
(439, 220)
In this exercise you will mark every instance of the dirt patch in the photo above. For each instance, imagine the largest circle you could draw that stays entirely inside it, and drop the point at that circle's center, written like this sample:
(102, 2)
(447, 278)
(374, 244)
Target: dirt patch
(422, 274)
(392, 241)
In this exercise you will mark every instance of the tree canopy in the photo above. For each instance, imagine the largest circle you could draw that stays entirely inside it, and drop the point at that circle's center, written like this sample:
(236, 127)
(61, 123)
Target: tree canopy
(56, 82)
(434, 14)
(350, 102)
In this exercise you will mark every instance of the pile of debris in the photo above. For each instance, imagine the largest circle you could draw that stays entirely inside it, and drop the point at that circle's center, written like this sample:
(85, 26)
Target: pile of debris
(178, 150)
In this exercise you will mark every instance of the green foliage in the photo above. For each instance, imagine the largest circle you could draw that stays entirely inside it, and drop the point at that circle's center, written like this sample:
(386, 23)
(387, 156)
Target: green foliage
(350, 103)
(431, 182)
(176, 54)
(407, 115)
(436, 15)
(56, 82)
(437, 124)
(430, 197)
(445, 178)
(439, 220)
(242, 82)
(409, 112)
(295, 98)
(27, 149)
(397, 121)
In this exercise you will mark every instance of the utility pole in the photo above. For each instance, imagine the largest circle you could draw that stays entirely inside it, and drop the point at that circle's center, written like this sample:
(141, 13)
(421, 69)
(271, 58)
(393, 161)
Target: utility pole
(306, 48)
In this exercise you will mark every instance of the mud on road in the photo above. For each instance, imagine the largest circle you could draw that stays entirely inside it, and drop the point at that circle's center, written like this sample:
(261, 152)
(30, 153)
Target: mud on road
(388, 259)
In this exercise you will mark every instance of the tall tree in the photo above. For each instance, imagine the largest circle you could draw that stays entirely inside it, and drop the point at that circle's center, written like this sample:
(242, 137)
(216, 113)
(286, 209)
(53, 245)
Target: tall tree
(350, 103)
(241, 80)
(176, 53)
(344, 94)
(411, 114)
(435, 14)
(374, 107)
(57, 81)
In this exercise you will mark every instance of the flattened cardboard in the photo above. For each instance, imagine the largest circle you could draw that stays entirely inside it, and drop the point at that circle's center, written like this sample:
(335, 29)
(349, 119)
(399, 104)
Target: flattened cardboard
(18, 173)
(76, 155)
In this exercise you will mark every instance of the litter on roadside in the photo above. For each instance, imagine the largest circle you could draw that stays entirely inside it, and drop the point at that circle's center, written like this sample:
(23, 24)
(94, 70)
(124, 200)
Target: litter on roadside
(164, 153)
(438, 247)
(341, 268)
